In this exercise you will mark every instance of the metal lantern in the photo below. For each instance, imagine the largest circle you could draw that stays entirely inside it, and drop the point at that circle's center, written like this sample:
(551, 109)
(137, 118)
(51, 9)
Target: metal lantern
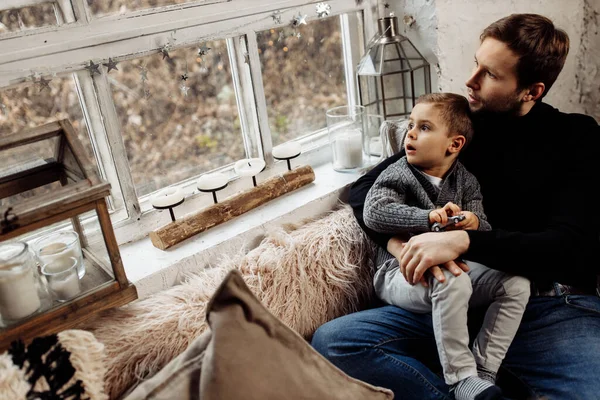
(392, 74)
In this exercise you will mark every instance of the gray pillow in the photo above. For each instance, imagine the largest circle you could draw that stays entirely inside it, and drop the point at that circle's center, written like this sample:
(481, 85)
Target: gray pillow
(250, 354)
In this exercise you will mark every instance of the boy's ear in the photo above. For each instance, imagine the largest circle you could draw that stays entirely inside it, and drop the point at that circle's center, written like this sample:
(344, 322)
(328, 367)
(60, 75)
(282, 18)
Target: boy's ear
(458, 142)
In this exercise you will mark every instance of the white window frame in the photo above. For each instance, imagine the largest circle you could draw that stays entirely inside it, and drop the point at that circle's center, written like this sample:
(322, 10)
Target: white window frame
(66, 49)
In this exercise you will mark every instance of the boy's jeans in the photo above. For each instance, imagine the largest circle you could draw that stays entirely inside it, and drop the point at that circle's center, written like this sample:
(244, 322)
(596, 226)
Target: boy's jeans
(556, 352)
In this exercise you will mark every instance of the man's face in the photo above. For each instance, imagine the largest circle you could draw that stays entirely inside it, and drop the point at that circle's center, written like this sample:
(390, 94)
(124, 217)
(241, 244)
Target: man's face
(493, 84)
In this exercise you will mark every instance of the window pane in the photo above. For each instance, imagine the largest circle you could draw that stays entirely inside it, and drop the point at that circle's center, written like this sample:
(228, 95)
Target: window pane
(170, 135)
(27, 17)
(103, 8)
(32, 104)
(303, 76)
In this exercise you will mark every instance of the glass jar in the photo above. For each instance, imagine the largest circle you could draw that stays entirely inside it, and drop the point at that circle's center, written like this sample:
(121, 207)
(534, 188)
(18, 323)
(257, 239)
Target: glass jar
(60, 245)
(346, 129)
(61, 275)
(22, 292)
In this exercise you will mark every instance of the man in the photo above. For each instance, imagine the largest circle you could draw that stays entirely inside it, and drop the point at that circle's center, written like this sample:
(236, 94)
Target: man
(536, 168)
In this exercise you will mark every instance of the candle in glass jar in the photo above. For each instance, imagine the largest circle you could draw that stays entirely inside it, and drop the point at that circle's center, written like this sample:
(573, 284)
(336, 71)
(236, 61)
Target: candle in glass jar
(62, 278)
(18, 292)
(348, 149)
(61, 245)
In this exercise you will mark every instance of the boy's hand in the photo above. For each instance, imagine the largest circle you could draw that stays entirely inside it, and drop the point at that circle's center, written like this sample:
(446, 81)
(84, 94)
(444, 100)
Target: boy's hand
(441, 214)
(471, 222)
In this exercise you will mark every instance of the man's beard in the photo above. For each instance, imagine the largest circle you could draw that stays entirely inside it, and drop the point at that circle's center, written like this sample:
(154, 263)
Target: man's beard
(509, 105)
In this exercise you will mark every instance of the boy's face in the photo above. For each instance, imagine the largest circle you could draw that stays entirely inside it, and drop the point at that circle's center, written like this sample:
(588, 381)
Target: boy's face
(493, 85)
(427, 140)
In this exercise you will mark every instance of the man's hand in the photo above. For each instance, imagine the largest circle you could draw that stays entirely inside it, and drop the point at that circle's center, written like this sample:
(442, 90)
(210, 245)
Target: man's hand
(471, 222)
(426, 250)
(455, 267)
(441, 214)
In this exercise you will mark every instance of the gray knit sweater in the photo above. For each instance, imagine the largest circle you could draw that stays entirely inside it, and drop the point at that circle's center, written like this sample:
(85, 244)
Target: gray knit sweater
(400, 200)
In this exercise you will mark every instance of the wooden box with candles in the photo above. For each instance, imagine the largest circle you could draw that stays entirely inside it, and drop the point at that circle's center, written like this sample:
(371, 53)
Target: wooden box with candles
(52, 276)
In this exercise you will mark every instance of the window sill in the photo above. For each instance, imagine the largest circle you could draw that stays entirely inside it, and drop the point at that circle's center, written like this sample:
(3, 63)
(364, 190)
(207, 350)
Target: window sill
(153, 270)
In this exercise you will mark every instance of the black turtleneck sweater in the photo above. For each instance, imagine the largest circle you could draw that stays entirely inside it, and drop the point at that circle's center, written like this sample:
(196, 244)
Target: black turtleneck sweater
(538, 175)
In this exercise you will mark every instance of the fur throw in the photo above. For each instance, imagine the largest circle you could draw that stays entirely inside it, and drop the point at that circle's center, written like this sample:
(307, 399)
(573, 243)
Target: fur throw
(306, 277)
(69, 365)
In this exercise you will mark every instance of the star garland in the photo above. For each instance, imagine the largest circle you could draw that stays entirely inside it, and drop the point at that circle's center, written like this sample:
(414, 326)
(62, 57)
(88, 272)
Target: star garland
(43, 84)
(276, 17)
(203, 50)
(299, 20)
(165, 51)
(93, 68)
(323, 10)
(110, 65)
(183, 87)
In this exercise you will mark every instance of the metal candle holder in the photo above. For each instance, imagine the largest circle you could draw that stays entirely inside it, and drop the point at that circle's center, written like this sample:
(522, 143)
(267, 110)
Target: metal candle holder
(214, 192)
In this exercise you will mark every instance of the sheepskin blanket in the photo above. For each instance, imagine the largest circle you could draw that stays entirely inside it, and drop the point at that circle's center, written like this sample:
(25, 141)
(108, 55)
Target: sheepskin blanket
(70, 365)
(305, 276)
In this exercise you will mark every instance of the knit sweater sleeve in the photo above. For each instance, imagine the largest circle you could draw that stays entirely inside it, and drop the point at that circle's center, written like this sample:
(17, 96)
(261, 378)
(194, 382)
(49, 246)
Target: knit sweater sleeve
(385, 208)
(473, 200)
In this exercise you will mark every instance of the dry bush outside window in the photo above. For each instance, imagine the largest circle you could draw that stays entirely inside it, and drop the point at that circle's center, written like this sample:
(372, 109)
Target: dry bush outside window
(303, 76)
(18, 19)
(102, 8)
(32, 104)
(170, 136)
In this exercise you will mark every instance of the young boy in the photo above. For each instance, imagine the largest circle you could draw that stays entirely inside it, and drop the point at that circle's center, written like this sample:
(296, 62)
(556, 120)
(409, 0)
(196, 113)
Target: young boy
(425, 187)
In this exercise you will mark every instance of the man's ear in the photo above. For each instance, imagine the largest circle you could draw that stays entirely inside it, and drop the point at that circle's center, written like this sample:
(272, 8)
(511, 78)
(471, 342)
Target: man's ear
(458, 142)
(534, 92)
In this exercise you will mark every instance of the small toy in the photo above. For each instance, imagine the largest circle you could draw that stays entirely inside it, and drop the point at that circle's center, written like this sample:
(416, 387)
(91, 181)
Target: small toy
(437, 227)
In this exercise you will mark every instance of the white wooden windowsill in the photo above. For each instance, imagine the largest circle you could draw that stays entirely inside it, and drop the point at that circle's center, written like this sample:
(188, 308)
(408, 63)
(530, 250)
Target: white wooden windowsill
(153, 270)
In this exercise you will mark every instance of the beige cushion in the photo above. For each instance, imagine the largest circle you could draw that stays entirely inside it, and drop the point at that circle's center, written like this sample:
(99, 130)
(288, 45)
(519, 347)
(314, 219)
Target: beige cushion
(250, 354)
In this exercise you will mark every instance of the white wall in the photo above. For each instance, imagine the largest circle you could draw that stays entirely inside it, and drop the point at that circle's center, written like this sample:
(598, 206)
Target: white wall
(447, 32)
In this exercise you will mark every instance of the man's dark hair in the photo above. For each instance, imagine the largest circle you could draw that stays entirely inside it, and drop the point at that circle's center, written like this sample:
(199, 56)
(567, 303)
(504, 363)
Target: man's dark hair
(454, 111)
(541, 47)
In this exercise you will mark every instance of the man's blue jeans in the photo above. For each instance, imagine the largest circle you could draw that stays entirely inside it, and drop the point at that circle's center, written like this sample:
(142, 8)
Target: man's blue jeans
(555, 354)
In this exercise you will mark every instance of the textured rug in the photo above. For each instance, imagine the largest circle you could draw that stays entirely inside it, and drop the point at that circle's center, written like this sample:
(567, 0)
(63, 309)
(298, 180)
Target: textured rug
(305, 275)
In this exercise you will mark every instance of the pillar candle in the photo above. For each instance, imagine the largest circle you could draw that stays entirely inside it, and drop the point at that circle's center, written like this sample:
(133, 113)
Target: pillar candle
(18, 292)
(348, 149)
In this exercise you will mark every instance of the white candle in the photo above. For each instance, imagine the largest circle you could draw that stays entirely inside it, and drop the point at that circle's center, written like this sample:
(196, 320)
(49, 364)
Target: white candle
(61, 251)
(287, 150)
(249, 166)
(65, 289)
(348, 149)
(208, 182)
(18, 292)
(62, 278)
(168, 197)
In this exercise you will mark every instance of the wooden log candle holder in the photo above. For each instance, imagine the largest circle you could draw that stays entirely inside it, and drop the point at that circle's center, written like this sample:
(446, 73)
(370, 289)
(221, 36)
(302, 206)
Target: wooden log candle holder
(178, 231)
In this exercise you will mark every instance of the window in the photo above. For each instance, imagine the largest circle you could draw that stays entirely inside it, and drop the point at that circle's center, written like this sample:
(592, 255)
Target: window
(303, 75)
(102, 8)
(178, 114)
(19, 19)
(183, 88)
(40, 100)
